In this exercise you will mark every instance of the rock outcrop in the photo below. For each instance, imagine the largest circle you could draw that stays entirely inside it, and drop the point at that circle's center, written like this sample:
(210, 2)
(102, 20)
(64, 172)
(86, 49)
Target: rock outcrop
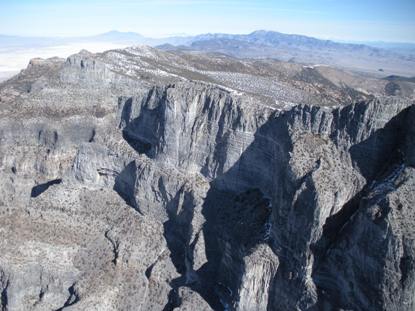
(147, 180)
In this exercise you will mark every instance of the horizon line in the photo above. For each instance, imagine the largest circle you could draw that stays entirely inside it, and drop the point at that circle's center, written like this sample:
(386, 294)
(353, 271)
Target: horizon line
(184, 35)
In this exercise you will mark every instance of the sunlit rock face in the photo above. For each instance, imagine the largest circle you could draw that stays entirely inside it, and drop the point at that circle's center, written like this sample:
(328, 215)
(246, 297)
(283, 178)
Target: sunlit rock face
(138, 179)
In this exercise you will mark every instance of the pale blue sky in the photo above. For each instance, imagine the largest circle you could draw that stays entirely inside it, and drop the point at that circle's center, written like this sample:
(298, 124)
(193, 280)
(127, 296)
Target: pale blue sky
(387, 20)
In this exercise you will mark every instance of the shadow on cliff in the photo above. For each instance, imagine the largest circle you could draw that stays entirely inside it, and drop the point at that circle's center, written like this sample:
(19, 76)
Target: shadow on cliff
(375, 154)
(258, 177)
(264, 165)
(124, 185)
(238, 213)
(141, 133)
(375, 157)
(176, 232)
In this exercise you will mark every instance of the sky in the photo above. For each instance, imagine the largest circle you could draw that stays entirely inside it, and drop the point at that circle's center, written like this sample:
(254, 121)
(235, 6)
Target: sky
(354, 20)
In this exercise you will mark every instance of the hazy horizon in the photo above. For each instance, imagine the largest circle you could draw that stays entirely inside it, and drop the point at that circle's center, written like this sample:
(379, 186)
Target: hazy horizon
(353, 20)
(195, 34)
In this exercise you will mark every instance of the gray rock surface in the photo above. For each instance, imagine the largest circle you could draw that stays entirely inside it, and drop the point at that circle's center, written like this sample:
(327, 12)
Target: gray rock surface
(138, 179)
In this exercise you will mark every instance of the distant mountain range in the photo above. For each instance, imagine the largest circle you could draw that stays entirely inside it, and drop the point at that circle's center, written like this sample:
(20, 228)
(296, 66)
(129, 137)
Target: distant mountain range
(257, 37)
(379, 57)
(303, 49)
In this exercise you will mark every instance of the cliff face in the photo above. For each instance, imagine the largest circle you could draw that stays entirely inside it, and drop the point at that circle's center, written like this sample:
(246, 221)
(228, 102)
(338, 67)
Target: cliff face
(310, 166)
(128, 185)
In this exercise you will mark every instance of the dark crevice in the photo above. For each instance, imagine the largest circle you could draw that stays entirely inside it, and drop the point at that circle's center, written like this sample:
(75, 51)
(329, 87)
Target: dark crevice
(92, 138)
(149, 270)
(4, 297)
(173, 302)
(406, 265)
(41, 295)
(115, 247)
(72, 299)
(39, 189)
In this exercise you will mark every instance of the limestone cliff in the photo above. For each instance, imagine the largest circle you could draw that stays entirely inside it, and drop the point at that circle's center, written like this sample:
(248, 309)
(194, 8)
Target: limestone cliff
(145, 180)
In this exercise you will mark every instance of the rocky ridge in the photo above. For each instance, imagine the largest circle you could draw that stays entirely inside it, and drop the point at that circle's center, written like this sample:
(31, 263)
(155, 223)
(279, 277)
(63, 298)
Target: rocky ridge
(138, 179)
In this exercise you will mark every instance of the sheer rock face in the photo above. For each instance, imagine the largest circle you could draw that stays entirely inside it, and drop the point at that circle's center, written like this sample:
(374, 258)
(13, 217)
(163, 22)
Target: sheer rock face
(137, 180)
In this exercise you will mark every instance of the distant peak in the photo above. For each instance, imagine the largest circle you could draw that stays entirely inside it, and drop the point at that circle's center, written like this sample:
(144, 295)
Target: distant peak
(263, 32)
(120, 32)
